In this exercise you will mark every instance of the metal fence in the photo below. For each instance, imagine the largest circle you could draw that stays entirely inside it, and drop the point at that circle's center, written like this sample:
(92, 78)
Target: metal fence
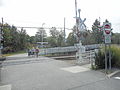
(66, 49)
(86, 57)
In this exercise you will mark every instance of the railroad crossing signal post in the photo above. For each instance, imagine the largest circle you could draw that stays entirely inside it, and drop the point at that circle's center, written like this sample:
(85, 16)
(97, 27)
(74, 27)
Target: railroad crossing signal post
(107, 40)
(80, 29)
(1, 38)
(0, 42)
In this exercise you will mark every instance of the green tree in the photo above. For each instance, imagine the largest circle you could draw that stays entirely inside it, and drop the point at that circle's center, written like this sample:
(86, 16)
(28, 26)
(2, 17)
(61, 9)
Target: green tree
(52, 41)
(23, 39)
(7, 38)
(32, 39)
(41, 35)
(71, 39)
(54, 34)
(60, 39)
(116, 38)
(89, 38)
(56, 38)
(97, 32)
(14, 40)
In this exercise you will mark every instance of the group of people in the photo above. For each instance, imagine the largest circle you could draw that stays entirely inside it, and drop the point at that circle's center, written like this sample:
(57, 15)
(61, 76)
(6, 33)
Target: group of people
(33, 51)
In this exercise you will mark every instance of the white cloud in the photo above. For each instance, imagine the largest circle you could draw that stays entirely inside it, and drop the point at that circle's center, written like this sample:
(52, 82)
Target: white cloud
(1, 3)
(52, 12)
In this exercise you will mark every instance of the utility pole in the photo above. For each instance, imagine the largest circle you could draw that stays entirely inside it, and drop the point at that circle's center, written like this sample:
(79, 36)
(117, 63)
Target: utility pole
(64, 31)
(76, 19)
(76, 10)
(42, 34)
(79, 25)
(79, 14)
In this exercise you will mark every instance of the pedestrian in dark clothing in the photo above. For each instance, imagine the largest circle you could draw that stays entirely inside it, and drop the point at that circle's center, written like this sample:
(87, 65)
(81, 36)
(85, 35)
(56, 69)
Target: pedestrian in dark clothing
(29, 52)
(37, 52)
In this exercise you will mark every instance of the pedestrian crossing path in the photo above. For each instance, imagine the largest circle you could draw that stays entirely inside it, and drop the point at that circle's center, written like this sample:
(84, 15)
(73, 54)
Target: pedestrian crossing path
(117, 78)
(27, 60)
(75, 69)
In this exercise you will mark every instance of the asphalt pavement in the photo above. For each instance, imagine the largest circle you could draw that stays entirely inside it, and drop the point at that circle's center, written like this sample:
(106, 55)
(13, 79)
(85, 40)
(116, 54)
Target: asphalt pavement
(21, 72)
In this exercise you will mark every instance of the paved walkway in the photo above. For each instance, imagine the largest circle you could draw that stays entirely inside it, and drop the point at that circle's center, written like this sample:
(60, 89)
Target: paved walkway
(49, 74)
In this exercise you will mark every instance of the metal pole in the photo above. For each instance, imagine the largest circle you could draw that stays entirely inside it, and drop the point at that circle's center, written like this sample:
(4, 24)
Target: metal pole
(79, 18)
(64, 31)
(105, 58)
(42, 39)
(109, 57)
(79, 25)
(1, 38)
(76, 9)
(42, 34)
(76, 18)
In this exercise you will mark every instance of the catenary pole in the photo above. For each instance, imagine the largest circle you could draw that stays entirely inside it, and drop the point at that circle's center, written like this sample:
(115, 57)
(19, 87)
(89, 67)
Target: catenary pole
(64, 31)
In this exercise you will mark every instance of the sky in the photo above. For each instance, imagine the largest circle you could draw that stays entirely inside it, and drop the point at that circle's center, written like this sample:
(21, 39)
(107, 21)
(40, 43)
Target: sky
(52, 12)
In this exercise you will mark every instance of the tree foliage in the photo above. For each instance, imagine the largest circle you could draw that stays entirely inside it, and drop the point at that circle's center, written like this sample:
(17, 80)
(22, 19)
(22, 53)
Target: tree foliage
(41, 35)
(116, 38)
(56, 38)
(14, 40)
(89, 39)
(71, 39)
(97, 32)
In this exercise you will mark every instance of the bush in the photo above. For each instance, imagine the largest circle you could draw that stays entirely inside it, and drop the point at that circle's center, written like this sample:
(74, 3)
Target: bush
(115, 50)
(115, 57)
(100, 59)
(7, 50)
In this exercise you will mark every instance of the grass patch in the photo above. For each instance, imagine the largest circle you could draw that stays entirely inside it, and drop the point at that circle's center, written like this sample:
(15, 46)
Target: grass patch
(115, 57)
(14, 53)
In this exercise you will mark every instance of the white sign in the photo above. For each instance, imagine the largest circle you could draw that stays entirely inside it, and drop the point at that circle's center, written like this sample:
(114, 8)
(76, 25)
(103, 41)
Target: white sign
(108, 39)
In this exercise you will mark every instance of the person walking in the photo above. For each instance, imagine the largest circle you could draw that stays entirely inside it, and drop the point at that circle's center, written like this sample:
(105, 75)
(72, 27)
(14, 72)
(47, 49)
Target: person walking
(29, 52)
(37, 52)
